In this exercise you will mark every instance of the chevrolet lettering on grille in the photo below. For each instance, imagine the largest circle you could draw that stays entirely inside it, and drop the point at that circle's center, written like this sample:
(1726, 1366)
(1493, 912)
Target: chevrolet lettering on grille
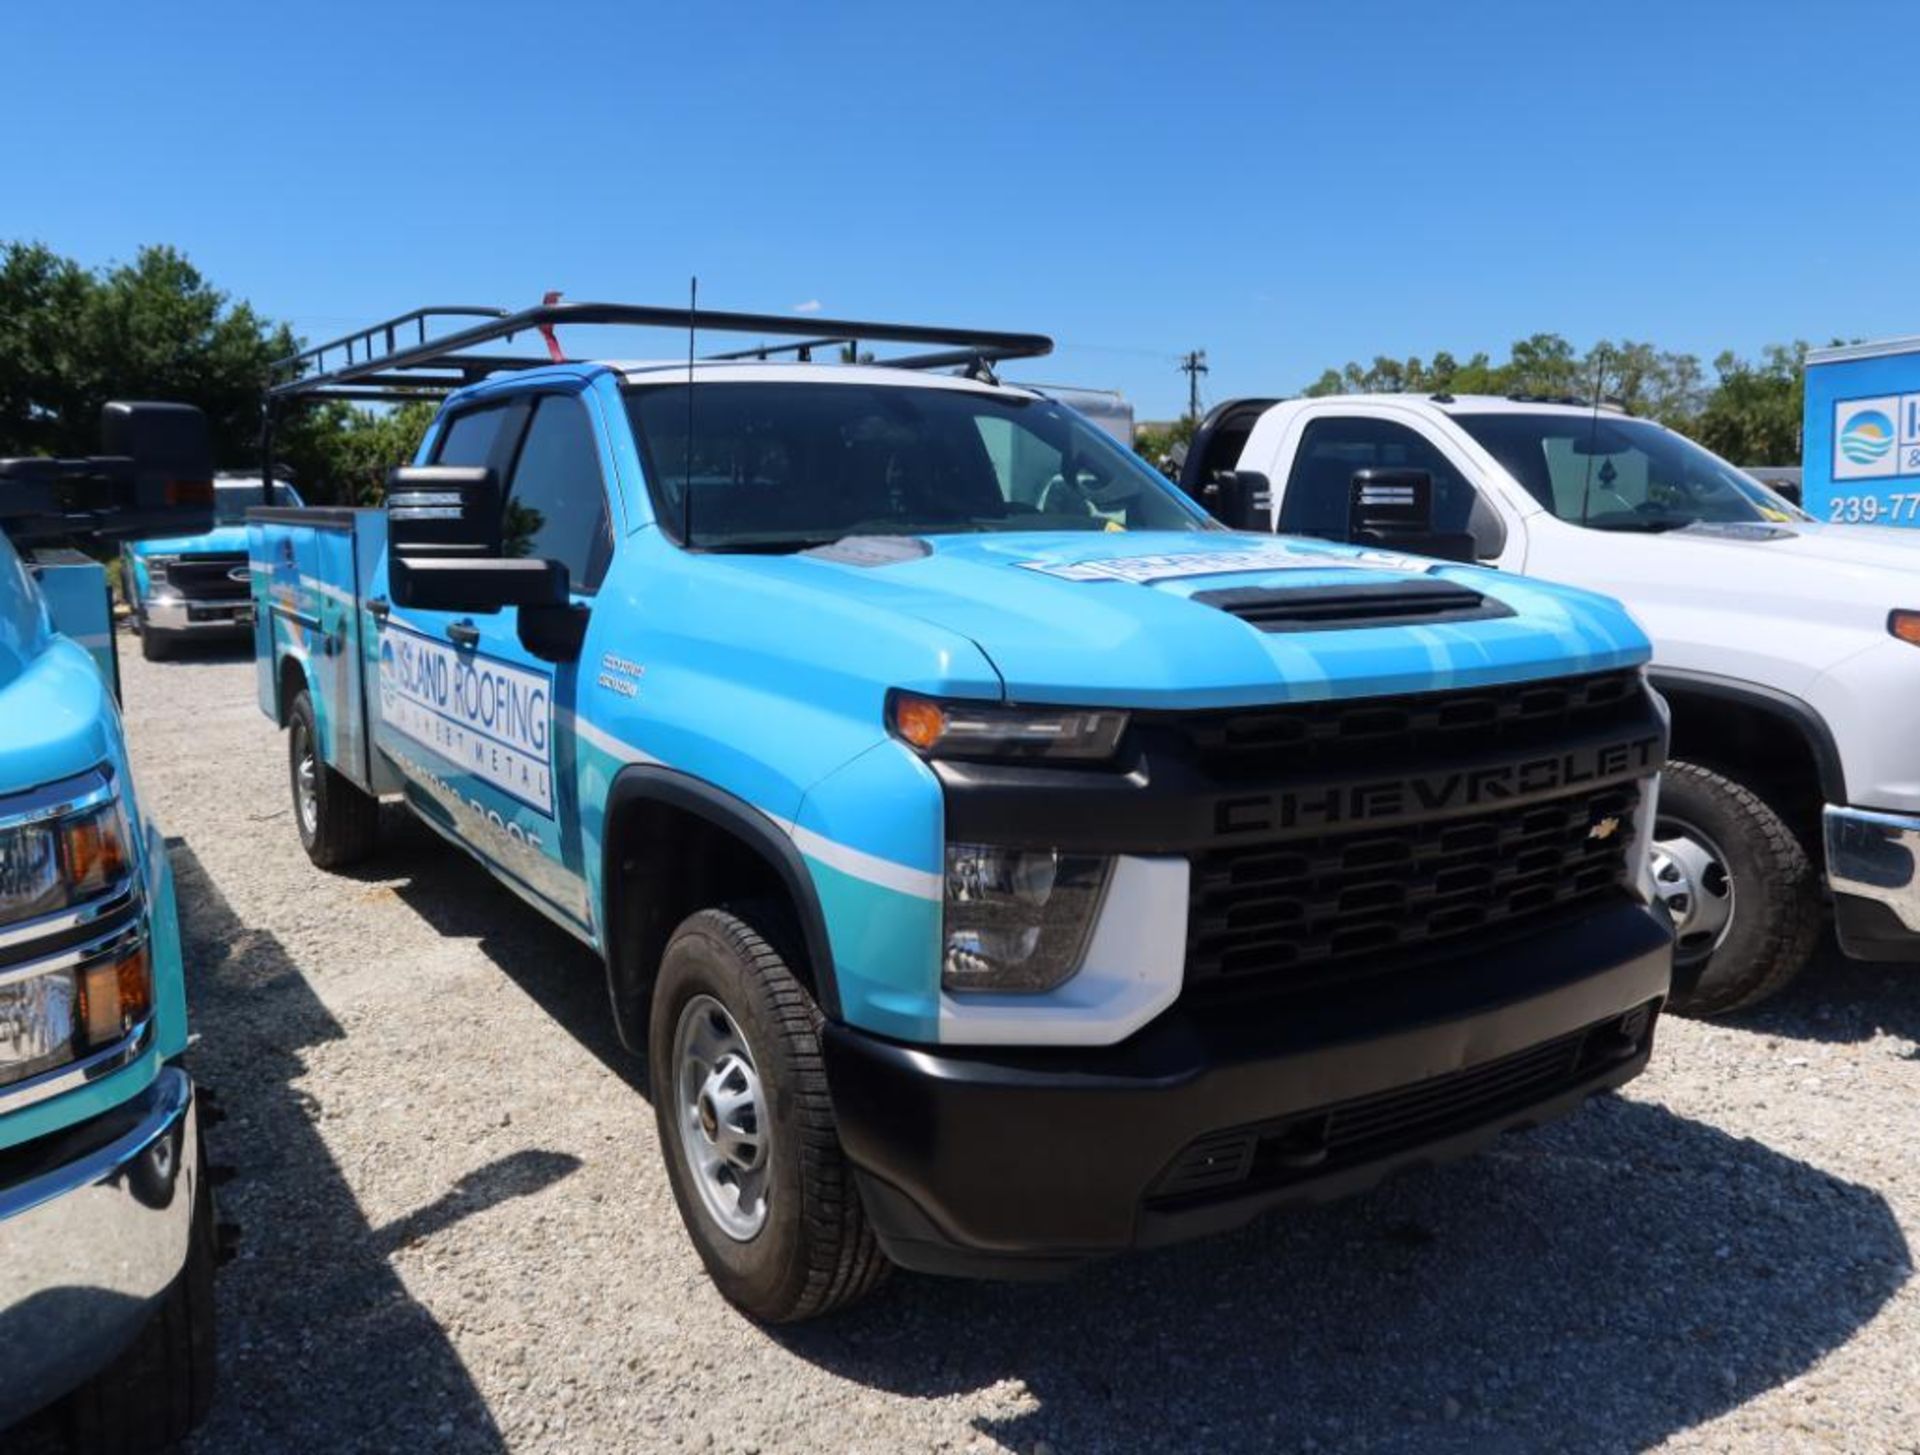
(1383, 800)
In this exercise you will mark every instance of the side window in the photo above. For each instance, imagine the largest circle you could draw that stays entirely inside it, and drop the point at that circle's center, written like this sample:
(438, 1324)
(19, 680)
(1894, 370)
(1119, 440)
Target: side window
(1330, 451)
(469, 438)
(557, 503)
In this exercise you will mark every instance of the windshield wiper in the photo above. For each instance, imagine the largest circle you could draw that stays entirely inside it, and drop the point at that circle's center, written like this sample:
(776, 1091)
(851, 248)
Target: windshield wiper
(1646, 525)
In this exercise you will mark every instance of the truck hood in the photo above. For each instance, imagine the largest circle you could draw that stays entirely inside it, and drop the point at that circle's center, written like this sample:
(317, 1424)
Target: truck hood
(56, 715)
(22, 630)
(1111, 618)
(1847, 575)
(220, 538)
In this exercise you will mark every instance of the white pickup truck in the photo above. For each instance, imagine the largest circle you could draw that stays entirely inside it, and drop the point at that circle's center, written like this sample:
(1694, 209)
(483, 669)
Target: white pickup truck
(1788, 649)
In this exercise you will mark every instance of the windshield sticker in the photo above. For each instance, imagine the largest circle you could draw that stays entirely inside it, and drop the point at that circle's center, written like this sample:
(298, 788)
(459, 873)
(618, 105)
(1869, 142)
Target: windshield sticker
(1223, 563)
(493, 720)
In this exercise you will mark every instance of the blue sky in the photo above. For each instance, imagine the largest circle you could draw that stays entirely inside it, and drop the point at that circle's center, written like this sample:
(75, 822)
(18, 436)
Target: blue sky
(1285, 185)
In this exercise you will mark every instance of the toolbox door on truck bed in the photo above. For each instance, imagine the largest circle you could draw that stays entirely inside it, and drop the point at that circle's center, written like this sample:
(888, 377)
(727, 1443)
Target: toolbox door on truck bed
(309, 566)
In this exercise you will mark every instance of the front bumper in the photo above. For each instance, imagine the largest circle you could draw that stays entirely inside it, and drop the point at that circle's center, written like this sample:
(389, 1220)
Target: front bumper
(1871, 868)
(94, 1226)
(1022, 1163)
(176, 614)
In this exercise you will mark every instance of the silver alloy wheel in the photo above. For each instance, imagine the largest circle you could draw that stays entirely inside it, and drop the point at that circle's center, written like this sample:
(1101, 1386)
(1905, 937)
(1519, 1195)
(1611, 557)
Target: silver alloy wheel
(1690, 872)
(723, 1129)
(306, 792)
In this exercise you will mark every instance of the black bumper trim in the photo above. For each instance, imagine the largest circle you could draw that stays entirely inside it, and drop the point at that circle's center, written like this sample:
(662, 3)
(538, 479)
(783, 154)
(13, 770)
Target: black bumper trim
(1021, 1163)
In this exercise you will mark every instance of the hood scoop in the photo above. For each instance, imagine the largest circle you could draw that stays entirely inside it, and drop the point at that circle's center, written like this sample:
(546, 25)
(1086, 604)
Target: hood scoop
(1351, 608)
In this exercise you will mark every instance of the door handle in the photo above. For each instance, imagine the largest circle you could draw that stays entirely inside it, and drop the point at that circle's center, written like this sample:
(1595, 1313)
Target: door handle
(464, 634)
(378, 607)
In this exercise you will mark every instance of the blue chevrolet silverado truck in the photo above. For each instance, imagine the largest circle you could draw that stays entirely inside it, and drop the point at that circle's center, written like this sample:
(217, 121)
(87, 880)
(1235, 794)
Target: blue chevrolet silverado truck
(999, 864)
(183, 588)
(106, 1232)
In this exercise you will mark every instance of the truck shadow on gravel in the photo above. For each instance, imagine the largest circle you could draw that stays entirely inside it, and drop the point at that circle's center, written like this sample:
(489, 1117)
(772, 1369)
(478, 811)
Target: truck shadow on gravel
(321, 1347)
(1598, 1285)
(1840, 1001)
(451, 892)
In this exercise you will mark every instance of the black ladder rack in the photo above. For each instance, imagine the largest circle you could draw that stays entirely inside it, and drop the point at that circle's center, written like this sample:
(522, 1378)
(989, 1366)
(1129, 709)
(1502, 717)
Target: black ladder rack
(404, 358)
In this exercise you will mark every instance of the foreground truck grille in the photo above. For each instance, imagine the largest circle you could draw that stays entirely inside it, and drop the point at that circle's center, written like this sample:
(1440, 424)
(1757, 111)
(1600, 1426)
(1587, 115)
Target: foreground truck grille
(209, 577)
(1266, 1155)
(1332, 906)
(1321, 737)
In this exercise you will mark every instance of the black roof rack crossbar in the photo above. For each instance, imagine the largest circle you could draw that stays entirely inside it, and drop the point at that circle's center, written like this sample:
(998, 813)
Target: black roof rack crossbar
(396, 359)
(802, 350)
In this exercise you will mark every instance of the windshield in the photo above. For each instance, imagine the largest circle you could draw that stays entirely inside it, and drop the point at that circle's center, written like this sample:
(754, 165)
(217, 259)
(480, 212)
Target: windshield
(1612, 473)
(783, 466)
(232, 499)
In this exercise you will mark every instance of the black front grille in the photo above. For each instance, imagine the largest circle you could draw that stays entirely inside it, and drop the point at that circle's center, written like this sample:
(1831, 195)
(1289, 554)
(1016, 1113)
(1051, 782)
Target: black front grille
(1300, 739)
(210, 577)
(1350, 1133)
(1297, 912)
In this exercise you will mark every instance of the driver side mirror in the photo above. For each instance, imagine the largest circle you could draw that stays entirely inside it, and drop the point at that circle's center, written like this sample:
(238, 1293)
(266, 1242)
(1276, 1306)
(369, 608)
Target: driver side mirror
(445, 552)
(1394, 508)
(1239, 500)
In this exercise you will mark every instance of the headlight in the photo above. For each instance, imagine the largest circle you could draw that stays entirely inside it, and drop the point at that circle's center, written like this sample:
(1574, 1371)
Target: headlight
(55, 863)
(61, 998)
(1017, 919)
(951, 729)
(157, 569)
(65, 1008)
(1905, 625)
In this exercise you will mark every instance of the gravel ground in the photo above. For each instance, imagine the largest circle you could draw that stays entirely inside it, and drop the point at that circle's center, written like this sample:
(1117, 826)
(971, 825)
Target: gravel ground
(457, 1233)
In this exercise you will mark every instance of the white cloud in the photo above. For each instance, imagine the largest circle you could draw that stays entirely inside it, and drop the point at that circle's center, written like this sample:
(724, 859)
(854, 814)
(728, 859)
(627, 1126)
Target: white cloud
(812, 305)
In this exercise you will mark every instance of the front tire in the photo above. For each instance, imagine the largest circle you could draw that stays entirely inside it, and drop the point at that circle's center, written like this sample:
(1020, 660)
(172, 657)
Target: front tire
(158, 1392)
(746, 1125)
(155, 646)
(1744, 895)
(338, 822)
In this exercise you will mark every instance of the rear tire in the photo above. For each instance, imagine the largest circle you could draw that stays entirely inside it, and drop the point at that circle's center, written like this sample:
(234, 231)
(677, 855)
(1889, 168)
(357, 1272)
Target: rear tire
(339, 823)
(157, 1392)
(747, 1127)
(1744, 894)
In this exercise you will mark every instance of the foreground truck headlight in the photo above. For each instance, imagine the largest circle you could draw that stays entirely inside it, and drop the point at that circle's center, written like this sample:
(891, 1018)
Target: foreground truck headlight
(1018, 919)
(76, 979)
(957, 729)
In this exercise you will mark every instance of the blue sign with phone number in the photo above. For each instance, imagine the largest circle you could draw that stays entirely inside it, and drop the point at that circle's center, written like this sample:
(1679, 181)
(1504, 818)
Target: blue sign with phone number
(1860, 436)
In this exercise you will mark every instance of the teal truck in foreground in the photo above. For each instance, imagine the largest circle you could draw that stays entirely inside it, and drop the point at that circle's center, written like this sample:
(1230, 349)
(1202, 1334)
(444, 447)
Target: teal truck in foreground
(106, 1233)
(999, 864)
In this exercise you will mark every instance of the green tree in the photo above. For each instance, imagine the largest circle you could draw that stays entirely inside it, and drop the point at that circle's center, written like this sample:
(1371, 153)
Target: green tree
(73, 338)
(1752, 417)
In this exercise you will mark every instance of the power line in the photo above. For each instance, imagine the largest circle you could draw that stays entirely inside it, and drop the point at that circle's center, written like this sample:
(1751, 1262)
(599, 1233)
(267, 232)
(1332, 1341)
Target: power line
(1193, 365)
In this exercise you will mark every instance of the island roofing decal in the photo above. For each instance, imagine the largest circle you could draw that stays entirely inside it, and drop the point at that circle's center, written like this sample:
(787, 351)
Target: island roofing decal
(1270, 556)
(490, 718)
(1877, 438)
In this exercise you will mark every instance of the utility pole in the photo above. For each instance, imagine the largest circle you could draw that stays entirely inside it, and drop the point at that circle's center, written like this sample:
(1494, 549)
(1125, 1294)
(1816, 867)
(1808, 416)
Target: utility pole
(1193, 365)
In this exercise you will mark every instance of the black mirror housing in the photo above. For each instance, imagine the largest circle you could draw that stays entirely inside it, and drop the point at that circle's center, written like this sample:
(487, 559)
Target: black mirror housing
(444, 510)
(1240, 500)
(476, 584)
(1394, 508)
(155, 479)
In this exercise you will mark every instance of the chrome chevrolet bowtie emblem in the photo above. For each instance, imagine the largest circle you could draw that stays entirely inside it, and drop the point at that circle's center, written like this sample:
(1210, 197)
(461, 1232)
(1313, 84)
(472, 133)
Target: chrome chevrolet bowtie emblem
(1605, 829)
